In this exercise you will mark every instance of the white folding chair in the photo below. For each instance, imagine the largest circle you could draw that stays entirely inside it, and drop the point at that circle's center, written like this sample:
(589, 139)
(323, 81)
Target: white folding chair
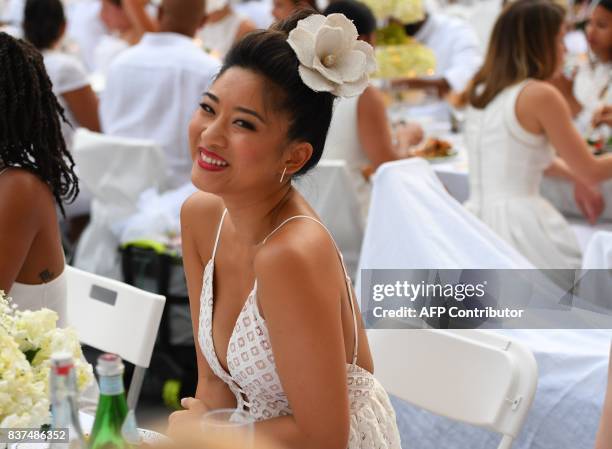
(330, 192)
(471, 376)
(115, 317)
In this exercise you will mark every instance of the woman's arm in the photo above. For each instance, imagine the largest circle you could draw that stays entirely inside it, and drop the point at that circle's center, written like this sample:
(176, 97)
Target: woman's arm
(83, 104)
(588, 197)
(197, 217)
(139, 18)
(374, 131)
(299, 290)
(541, 108)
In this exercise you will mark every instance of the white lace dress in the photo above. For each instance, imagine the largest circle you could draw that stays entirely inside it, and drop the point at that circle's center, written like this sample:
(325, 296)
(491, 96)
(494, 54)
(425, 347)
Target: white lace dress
(253, 378)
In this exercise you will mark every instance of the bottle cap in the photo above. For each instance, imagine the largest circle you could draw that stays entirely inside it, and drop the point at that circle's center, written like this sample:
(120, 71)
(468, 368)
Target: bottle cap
(61, 363)
(109, 365)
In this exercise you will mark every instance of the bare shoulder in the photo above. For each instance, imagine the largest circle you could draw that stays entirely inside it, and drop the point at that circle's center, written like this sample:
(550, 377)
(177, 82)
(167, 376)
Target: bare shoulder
(538, 105)
(540, 93)
(199, 206)
(23, 189)
(301, 250)
(200, 215)
(24, 180)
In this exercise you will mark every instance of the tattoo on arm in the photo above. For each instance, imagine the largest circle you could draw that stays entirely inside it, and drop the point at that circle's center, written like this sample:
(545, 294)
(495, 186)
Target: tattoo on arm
(46, 276)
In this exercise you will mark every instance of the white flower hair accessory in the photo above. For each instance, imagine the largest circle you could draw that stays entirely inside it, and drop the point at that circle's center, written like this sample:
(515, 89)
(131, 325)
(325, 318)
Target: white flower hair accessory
(331, 58)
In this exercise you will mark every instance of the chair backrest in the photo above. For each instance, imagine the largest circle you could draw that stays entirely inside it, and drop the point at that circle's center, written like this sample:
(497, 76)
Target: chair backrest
(471, 376)
(330, 192)
(118, 169)
(112, 316)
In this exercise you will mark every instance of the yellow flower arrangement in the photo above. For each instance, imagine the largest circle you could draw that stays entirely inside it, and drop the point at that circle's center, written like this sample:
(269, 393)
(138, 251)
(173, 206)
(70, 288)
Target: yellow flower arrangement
(406, 11)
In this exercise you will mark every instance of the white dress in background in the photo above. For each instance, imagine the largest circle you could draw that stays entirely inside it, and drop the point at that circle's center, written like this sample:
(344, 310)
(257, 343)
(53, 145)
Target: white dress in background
(67, 74)
(254, 380)
(343, 143)
(506, 164)
(218, 37)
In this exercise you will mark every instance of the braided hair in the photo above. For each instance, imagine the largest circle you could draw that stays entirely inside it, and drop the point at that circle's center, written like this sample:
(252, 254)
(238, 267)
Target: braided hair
(30, 128)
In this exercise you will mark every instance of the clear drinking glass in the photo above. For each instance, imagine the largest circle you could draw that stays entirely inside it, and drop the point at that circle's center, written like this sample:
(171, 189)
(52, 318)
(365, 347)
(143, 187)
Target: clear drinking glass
(229, 427)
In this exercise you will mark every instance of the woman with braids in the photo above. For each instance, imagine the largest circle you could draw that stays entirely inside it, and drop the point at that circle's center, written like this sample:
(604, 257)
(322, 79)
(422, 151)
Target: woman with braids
(282, 9)
(36, 175)
(279, 333)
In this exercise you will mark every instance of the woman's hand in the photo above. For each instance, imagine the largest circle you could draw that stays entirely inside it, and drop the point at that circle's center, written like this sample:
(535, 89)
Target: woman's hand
(193, 411)
(589, 200)
(602, 116)
(409, 134)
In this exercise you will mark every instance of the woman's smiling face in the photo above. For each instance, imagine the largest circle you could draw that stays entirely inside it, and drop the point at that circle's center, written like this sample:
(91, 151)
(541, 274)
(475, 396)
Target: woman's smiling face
(236, 139)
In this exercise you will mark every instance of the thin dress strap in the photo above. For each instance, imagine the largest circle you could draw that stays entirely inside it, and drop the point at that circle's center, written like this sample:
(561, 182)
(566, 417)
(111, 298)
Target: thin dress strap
(346, 276)
(218, 235)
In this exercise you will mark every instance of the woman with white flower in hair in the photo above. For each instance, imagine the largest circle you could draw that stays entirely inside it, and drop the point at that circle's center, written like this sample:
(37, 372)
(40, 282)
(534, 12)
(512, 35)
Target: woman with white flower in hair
(278, 329)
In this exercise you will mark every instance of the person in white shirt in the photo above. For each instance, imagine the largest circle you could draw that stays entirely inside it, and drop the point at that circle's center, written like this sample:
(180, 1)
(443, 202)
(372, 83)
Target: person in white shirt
(456, 48)
(44, 25)
(152, 88)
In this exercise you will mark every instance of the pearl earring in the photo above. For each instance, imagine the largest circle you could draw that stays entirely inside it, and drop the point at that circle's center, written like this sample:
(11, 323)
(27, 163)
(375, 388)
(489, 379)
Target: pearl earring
(283, 175)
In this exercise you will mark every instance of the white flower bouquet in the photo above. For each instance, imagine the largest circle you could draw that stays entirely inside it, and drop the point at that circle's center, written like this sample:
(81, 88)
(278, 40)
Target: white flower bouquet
(27, 341)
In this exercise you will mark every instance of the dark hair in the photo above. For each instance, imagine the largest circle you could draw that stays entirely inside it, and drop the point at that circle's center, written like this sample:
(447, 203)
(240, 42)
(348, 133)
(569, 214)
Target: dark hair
(267, 53)
(605, 4)
(30, 131)
(359, 13)
(43, 21)
(522, 45)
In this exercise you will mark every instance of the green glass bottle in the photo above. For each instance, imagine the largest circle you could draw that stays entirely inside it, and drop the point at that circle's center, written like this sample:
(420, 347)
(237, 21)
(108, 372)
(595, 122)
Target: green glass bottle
(109, 424)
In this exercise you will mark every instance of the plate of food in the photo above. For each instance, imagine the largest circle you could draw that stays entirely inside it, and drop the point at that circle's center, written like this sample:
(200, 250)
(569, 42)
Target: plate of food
(435, 150)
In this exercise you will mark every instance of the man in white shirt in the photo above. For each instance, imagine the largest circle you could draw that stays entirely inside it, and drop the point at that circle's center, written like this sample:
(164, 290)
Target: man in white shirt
(153, 88)
(457, 50)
